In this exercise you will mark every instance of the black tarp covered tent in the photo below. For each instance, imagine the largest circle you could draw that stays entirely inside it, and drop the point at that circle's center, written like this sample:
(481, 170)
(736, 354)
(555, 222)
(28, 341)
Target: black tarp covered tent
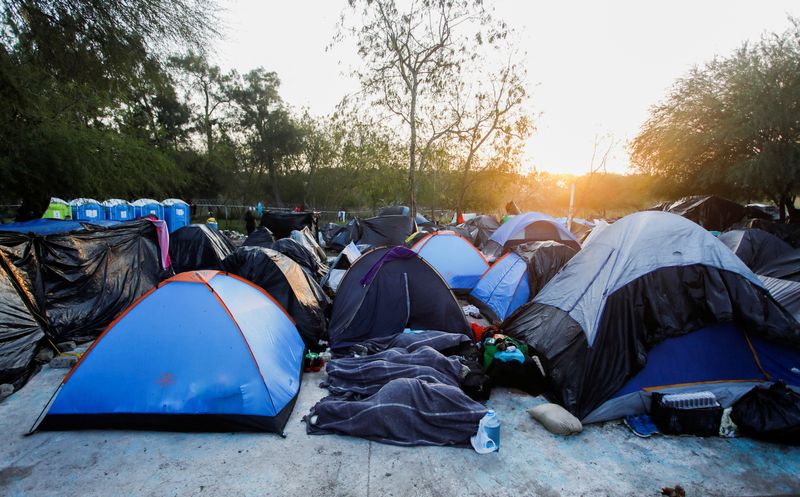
(281, 224)
(648, 278)
(385, 230)
(786, 292)
(22, 328)
(544, 260)
(301, 255)
(480, 229)
(789, 233)
(196, 247)
(260, 237)
(343, 235)
(709, 211)
(756, 248)
(387, 290)
(292, 287)
(82, 280)
(785, 267)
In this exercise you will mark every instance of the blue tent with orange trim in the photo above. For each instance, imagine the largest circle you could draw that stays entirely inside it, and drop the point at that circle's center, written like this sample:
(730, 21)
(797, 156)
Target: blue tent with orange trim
(454, 257)
(204, 351)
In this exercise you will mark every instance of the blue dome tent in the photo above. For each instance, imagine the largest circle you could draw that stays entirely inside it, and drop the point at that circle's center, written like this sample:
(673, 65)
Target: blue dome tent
(176, 213)
(454, 257)
(148, 207)
(503, 289)
(655, 303)
(528, 227)
(203, 351)
(119, 210)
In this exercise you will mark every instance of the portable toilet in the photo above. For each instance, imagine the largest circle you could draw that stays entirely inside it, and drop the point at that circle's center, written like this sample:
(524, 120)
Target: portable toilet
(87, 209)
(118, 210)
(176, 213)
(58, 209)
(146, 207)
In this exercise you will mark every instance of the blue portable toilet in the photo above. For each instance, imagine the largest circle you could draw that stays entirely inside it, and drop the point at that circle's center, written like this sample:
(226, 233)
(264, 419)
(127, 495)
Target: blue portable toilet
(203, 351)
(118, 210)
(176, 213)
(87, 209)
(148, 207)
(454, 257)
(503, 289)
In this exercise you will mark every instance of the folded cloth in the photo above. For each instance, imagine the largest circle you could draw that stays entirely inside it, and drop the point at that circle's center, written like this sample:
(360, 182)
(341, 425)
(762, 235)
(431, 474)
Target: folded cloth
(366, 375)
(406, 411)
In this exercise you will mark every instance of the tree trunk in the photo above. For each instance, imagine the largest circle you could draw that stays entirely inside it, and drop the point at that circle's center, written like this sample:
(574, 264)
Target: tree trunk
(207, 123)
(412, 153)
(273, 179)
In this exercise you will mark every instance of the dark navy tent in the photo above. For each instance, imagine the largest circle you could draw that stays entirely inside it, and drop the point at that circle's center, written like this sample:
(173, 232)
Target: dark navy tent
(205, 351)
(260, 237)
(528, 227)
(646, 279)
(196, 247)
(756, 248)
(503, 289)
(292, 287)
(176, 213)
(148, 207)
(388, 290)
(454, 257)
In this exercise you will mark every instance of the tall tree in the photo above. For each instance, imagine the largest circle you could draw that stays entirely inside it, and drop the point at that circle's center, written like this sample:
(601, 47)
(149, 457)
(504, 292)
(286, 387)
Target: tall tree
(731, 126)
(410, 57)
(272, 135)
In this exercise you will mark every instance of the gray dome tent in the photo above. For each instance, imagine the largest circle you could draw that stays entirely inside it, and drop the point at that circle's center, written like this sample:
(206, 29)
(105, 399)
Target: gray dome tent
(649, 278)
(755, 247)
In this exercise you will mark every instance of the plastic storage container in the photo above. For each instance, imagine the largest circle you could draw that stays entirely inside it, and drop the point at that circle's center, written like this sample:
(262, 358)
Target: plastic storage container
(700, 421)
(176, 213)
(87, 209)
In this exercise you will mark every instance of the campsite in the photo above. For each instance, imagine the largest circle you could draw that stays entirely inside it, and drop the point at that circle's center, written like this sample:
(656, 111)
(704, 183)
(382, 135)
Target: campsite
(399, 247)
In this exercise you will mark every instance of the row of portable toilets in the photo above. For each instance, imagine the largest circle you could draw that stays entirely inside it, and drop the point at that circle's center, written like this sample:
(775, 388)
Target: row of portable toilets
(174, 211)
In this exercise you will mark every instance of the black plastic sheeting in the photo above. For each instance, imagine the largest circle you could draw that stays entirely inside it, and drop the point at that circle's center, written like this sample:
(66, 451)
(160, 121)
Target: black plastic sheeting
(785, 267)
(260, 237)
(786, 292)
(544, 260)
(281, 224)
(386, 230)
(404, 292)
(480, 229)
(197, 247)
(771, 414)
(344, 235)
(301, 255)
(21, 327)
(709, 211)
(762, 211)
(82, 280)
(665, 303)
(292, 287)
(756, 248)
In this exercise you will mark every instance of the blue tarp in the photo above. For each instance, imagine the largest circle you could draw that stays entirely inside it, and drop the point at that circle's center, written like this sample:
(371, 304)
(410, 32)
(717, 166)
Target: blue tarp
(51, 226)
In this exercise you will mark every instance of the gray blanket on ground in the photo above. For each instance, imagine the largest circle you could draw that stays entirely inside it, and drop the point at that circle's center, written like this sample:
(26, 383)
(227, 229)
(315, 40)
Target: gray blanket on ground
(362, 376)
(438, 340)
(406, 411)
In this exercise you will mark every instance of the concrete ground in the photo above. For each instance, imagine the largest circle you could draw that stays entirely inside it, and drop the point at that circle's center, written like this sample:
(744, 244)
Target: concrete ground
(603, 460)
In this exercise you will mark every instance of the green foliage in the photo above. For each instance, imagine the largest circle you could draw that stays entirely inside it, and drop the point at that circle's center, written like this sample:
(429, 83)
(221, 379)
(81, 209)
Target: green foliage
(730, 126)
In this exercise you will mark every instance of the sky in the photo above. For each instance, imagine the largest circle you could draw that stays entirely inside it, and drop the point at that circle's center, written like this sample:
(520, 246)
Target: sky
(594, 68)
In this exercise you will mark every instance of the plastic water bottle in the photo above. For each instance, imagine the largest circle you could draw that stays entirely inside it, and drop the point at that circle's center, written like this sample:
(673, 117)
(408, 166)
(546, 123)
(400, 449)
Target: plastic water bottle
(492, 427)
(488, 437)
